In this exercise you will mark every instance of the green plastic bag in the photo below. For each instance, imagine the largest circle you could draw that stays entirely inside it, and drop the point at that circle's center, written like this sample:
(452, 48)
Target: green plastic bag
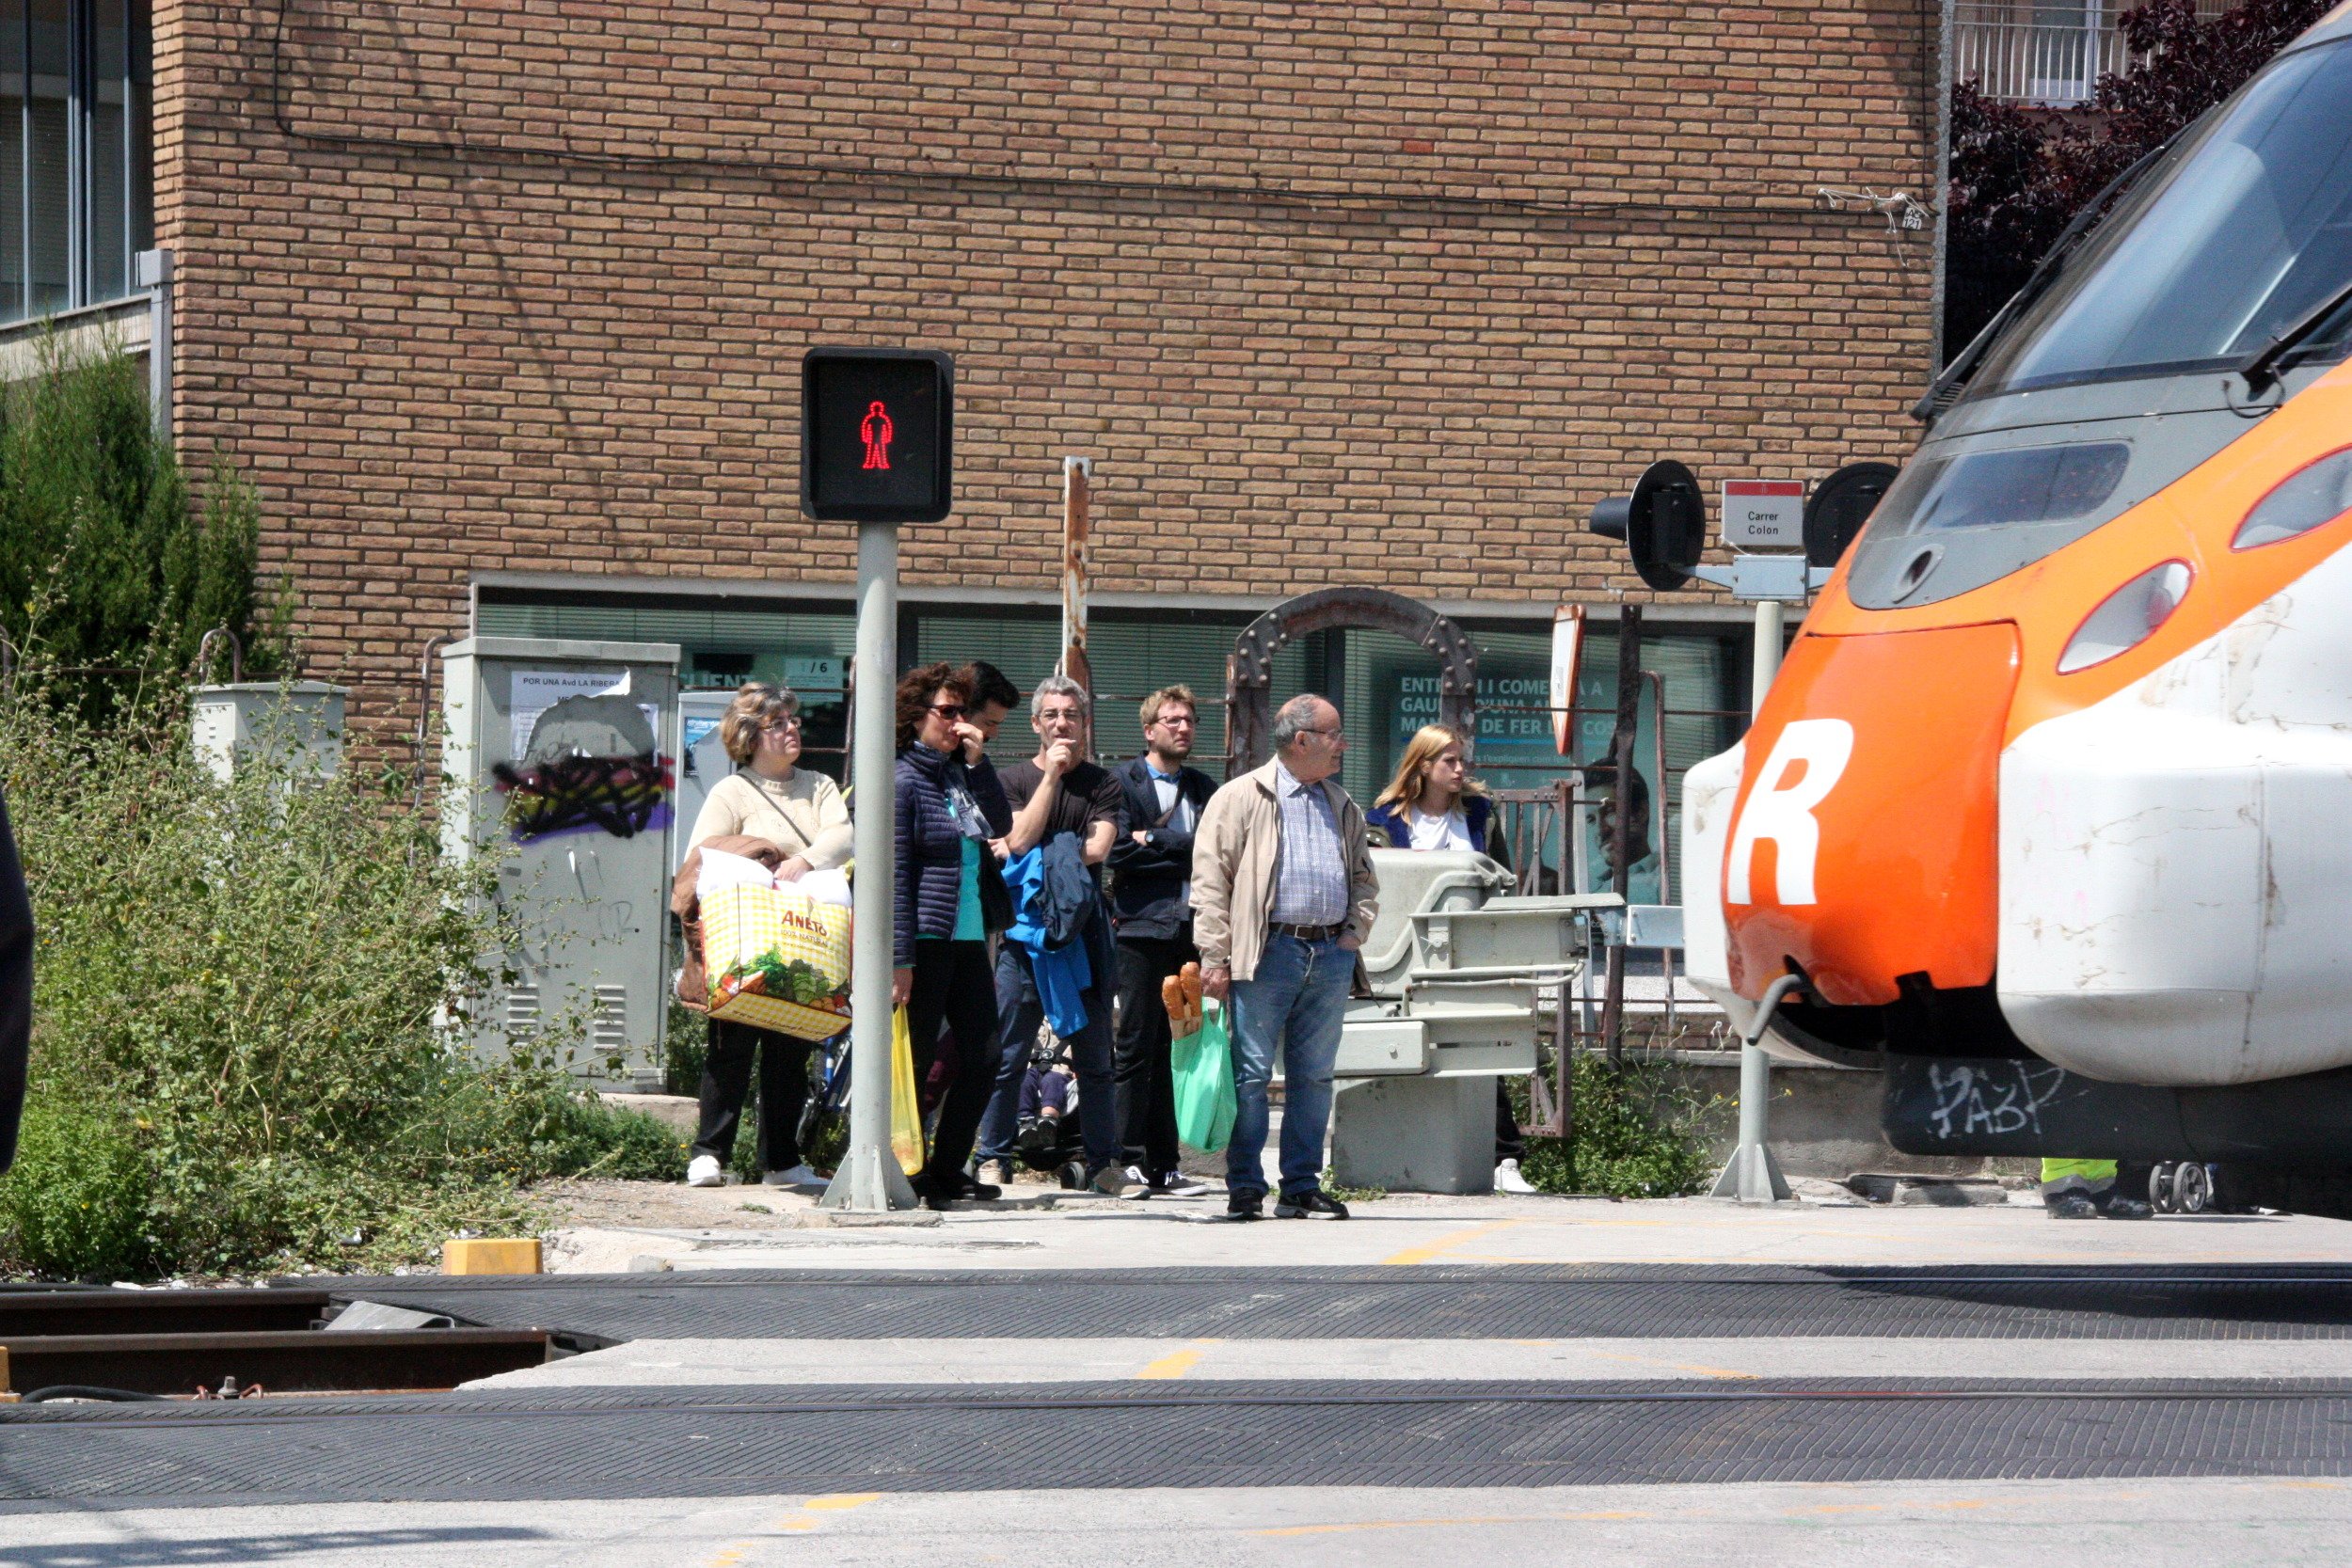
(1203, 1065)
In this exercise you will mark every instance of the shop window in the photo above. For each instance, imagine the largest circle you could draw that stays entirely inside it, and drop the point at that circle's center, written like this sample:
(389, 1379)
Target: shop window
(77, 152)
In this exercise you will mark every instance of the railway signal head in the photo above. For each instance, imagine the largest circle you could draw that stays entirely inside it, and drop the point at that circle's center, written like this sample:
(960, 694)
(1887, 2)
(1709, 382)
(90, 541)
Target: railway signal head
(1664, 524)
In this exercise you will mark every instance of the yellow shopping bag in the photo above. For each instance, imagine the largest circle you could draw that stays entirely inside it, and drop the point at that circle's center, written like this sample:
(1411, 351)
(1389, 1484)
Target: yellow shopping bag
(906, 1108)
(777, 959)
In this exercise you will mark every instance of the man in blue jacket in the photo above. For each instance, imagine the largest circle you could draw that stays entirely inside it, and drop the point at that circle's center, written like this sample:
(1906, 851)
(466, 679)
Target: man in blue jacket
(1151, 867)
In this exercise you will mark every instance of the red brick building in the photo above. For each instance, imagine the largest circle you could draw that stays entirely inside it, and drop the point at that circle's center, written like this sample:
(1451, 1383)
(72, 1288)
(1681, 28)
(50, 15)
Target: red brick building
(501, 305)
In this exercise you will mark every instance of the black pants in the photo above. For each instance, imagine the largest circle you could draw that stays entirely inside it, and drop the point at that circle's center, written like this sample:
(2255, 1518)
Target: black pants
(1508, 1144)
(1147, 1089)
(727, 1080)
(954, 985)
(1019, 1013)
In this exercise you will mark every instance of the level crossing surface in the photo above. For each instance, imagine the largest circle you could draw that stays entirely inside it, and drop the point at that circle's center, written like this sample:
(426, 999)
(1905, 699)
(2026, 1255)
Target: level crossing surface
(2171, 1408)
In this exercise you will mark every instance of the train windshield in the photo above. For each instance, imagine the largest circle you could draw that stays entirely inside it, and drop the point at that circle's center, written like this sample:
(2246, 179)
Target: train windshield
(2238, 234)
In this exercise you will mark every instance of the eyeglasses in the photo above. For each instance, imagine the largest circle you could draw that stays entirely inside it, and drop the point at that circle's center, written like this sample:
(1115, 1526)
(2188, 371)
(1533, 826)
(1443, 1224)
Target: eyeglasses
(949, 711)
(780, 726)
(1328, 735)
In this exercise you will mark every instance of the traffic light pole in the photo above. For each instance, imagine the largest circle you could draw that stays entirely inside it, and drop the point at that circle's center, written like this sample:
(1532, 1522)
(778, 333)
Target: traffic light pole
(868, 1180)
(1753, 1175)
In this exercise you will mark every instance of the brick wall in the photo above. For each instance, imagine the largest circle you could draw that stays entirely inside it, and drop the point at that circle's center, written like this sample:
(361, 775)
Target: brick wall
(1355, 292)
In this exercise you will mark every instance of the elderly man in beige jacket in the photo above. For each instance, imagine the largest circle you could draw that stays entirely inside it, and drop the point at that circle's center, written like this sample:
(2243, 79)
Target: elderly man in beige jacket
(1282, 895)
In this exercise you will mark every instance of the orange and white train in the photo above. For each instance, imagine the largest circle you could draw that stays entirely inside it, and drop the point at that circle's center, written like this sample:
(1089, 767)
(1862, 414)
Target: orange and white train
(2051, 804)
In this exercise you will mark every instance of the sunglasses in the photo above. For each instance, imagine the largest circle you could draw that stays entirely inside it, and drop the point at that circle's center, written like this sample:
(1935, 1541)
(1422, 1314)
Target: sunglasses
(949, 711)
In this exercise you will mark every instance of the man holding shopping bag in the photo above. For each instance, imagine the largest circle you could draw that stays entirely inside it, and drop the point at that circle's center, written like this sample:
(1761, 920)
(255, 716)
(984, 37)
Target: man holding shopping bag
(1282, 895)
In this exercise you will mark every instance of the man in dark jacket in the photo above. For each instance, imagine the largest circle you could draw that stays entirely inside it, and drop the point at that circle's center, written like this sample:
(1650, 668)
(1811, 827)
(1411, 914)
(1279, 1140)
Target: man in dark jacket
(1150, 867)
(16, 987)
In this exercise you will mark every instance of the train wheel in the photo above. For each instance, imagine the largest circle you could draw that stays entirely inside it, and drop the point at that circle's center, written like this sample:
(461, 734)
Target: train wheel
(2160, 1186)
(2192, 1188)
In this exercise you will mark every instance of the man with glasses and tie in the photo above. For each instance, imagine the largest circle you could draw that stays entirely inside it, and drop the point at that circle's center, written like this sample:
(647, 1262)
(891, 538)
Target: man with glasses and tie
(1151, 867)
(1282, 895)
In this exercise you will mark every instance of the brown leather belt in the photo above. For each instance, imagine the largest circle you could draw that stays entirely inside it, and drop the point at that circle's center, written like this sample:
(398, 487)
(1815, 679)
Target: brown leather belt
(1311, 934)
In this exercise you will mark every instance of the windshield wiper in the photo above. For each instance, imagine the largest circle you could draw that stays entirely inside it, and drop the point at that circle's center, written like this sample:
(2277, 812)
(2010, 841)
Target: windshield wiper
(2261, 368)
(1942, 390)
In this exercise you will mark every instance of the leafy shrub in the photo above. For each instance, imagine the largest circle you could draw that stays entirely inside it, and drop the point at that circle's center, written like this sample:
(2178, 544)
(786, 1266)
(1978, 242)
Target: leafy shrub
(260, 977)
(1639, 1131)
(75, 1204)
(104, 560)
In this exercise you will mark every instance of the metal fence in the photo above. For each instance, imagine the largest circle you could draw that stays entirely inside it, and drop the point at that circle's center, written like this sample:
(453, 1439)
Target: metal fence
(2043, 54)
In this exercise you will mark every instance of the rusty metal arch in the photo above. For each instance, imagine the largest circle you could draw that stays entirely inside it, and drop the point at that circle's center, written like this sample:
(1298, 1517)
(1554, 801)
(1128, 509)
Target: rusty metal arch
(1249, 669)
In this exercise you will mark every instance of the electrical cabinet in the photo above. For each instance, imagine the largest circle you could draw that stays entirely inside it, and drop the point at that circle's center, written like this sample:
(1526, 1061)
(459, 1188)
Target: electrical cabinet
(565, 752)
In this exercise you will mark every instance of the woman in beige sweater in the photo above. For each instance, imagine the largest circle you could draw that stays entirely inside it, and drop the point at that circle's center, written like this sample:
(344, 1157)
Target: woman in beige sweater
(803, 813)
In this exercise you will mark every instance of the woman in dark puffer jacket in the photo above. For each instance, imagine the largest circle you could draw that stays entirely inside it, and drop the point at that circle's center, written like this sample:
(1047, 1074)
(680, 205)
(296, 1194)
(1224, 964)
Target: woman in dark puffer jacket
(948, 898)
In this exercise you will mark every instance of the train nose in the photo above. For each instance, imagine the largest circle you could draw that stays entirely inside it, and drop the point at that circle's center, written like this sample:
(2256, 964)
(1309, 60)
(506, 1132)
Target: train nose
(1862, 846)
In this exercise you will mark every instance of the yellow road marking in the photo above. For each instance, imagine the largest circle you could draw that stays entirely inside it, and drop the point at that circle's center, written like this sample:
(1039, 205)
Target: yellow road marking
(1177, 1363)
(831, 1502)
(1671, 1366)
(1446, 1244)
(1475, 1519)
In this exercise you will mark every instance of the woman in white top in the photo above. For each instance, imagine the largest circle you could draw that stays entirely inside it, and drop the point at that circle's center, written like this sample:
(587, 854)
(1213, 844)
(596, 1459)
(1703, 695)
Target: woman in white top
(1434, 803)
(801, 812)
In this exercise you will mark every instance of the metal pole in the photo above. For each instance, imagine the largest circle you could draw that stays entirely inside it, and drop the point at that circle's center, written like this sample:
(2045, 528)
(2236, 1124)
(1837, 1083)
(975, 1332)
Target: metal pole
(869, 1180)
(1078, 478)
(1753, 1175)
(1764, 659)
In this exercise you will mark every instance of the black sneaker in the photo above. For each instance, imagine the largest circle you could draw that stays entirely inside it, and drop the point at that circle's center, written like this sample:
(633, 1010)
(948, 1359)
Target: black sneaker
(1316, 1203)
(1239, 1206)
(2071, 1206)
(930, 1194)
(1175, 1183)
(982, 1192)
(2120, 1207)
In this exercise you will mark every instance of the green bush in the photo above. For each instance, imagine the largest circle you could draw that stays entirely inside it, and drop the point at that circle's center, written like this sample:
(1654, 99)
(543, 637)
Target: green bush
(75, 1204)
(1639, 1131)
(104, 560)
(259, 978)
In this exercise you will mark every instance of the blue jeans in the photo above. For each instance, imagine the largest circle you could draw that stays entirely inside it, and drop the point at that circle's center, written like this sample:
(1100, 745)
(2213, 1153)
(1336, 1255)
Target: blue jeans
(1018, 1014)
(1297, 1000)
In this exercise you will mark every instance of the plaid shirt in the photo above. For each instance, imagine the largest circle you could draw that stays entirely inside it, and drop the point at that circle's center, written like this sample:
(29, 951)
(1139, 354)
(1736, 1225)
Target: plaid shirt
(1310, 868)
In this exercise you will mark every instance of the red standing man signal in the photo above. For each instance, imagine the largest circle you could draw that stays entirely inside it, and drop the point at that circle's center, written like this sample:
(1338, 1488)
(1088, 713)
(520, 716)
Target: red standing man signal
(876, 430)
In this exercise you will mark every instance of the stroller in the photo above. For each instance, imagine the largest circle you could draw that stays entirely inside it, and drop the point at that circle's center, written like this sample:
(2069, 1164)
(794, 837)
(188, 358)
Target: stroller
(1049, 1137)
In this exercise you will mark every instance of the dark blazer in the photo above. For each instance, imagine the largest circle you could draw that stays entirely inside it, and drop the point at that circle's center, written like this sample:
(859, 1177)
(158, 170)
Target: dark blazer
(1148, 879)
(16, 987)
(930, 850)
(1478, 817)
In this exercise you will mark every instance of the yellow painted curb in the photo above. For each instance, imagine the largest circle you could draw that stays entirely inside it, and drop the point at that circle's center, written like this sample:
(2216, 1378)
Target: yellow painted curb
(490, 1257)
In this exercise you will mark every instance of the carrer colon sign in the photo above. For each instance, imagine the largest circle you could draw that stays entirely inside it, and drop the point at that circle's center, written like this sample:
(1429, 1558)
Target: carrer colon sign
(1806, 762)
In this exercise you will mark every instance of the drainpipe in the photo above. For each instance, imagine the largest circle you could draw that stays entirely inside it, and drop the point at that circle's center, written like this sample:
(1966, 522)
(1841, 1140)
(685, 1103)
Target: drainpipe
(151, 270)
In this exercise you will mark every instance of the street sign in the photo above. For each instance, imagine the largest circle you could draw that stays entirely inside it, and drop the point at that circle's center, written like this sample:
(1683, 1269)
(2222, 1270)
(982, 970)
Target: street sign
(1567, 658)
(1764, 513)
(877, 434)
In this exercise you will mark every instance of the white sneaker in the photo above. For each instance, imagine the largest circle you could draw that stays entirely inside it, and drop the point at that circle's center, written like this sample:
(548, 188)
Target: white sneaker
(1508, 1179)
(799, 1176)
(703, 1171)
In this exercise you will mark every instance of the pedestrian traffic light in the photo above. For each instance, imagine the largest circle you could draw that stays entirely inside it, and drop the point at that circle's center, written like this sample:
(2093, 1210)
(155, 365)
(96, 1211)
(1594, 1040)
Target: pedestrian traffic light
(877, 434)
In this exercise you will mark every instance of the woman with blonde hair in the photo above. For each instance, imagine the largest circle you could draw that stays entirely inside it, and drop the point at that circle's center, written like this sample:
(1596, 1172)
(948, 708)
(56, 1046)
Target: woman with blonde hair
(770, 799)
(1434, 803)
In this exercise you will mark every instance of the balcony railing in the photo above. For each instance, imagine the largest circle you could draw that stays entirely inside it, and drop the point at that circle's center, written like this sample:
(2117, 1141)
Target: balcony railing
(2043, 54)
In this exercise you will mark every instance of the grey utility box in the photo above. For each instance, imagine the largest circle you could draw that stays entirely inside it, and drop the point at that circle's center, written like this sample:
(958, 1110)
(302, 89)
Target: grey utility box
(703, 761)
(567, 750)
(299, 724)
(1457, 965)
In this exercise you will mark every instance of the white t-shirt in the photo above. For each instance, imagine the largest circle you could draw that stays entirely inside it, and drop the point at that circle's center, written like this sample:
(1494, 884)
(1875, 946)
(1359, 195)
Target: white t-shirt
(1449, 831)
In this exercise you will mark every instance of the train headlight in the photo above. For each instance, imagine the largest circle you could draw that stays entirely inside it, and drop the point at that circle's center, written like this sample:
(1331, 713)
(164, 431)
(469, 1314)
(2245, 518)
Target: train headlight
(2318, 493)
(2127, 617)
